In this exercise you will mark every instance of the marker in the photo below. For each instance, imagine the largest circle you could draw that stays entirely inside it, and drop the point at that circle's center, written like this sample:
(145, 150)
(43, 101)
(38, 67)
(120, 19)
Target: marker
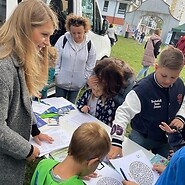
(38, 100)
(123, 174)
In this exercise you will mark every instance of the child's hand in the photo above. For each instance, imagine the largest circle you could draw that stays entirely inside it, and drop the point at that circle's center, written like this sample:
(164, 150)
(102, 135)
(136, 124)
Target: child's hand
(115, 151)
(159, 168)
(42, 137)
(129, 183)
(92, 81)
(177, 123)
(88, 177)
(85, 109)
(167, 128)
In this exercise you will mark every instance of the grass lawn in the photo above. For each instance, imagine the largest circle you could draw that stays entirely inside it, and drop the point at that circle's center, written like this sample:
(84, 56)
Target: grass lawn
(131, 52)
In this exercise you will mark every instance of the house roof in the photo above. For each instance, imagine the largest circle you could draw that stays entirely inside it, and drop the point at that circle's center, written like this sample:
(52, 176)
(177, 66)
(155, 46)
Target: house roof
(180, 28)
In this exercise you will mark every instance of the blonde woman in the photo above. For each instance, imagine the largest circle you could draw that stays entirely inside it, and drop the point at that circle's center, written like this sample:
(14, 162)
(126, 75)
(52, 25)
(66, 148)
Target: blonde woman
(24, 39)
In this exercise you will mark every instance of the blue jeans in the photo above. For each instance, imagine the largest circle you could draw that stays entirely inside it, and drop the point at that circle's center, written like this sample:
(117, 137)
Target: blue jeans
(143, 71)
(157, 147)
(69, 95)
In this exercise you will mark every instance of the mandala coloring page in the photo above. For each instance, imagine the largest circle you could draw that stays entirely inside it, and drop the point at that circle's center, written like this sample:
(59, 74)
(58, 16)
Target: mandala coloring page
(137, 168)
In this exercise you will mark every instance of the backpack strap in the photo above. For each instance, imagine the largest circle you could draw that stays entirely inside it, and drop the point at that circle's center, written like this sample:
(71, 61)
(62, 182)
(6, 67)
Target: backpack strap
(89, 46)
(64, 42)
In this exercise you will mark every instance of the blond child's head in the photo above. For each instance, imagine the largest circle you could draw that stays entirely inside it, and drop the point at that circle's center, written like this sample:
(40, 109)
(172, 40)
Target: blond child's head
(170, 64)
(89, 144)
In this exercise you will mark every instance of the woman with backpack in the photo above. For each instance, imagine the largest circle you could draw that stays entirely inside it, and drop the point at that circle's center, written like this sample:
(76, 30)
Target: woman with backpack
(76, 58)
(152, 47)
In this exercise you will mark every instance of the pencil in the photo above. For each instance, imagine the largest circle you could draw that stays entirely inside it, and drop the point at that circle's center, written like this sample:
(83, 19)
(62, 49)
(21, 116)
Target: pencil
(123, 174)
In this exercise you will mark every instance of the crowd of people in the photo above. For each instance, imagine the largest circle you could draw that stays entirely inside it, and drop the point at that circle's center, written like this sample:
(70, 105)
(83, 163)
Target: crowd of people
(153, 106)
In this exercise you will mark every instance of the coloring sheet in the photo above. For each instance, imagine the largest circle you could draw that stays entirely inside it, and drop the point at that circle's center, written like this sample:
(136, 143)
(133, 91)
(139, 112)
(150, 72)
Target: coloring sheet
(137, 168)
(106, 176)
(61, 140)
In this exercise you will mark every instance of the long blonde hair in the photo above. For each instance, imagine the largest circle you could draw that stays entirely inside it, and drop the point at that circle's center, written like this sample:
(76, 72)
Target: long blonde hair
(16, 39)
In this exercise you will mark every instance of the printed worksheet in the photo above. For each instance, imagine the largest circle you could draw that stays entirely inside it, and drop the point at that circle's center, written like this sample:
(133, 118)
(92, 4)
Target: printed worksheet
(39, 107)
(57, 102)
(61, 140)
(136, 167)
(106, 176)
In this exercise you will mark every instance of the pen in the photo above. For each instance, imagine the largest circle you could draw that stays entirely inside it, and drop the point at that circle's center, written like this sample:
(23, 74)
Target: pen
(123, 174)
(38, 100)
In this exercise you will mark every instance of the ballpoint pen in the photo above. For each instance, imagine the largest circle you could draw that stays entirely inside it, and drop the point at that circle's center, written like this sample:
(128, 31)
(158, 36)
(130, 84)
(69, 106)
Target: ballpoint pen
(122, 172)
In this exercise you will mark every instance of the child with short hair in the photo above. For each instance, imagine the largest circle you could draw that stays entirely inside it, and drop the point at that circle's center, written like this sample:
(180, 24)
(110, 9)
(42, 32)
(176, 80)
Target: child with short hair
(89, 144)
(155, 99)
(94, 102)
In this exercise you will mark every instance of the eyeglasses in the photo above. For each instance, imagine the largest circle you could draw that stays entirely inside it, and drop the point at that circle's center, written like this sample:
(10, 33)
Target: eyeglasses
(100, 166)
(76, 22)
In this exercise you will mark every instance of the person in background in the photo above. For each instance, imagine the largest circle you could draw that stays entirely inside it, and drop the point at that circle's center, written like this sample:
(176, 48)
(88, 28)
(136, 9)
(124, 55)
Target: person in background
(181, 45)
(94, 102)
(112, 34)
(52, 57)
(173, 174)
(76, 58)
(136, 32)
(89, 144)
(152, 47)
(116, 76)
(142, 36)
(24, 41)
(105, 25)
(154, 99)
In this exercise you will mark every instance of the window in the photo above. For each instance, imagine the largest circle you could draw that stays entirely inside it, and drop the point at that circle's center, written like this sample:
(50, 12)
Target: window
(105, 7)
(2, 11)
(122, 9)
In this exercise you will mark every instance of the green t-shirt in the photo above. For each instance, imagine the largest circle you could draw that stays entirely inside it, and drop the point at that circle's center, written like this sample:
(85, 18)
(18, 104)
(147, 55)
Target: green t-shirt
(43, 175)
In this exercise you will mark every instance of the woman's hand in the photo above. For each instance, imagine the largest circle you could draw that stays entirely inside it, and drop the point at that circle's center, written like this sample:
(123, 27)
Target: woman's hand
(115, 151)
(35, 154)
(43, 137)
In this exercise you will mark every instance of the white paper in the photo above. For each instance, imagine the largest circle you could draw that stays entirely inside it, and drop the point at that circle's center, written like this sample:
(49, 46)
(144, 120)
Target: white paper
(61, 140)
(137, 168)
(39, 107)
(57, 102)
(77, 118)
(106, 176)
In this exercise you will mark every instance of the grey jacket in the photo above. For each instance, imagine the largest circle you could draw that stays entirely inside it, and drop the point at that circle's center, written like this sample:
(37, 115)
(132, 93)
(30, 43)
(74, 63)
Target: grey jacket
(74, 65)
(15, 122)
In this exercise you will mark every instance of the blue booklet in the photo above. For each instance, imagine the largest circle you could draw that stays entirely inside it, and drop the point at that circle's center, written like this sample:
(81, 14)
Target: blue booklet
(40, 122)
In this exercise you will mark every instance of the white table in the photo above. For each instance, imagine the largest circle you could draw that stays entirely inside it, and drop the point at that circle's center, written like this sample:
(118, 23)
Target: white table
(71, 121)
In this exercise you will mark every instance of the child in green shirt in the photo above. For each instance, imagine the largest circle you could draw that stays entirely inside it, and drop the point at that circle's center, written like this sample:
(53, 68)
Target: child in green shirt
(89, 145)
